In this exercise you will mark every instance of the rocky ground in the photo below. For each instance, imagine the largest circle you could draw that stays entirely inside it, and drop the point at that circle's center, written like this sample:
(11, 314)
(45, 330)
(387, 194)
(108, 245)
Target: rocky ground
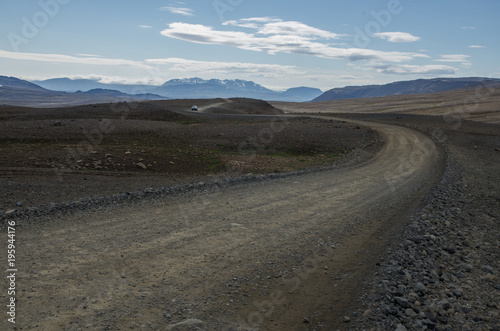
(61, 155)
(442, 273)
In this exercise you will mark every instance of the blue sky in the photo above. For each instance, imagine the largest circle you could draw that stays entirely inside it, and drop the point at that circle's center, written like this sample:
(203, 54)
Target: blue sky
(276, 43)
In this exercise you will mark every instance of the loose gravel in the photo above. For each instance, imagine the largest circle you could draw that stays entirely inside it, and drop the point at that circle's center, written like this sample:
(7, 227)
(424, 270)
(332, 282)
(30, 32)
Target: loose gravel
(443, 274)
(92, 203)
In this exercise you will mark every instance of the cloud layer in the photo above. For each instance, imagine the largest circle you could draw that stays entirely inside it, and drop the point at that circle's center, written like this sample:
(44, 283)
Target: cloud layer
(454, 58)
(397, 37)
(406, 69)
(276, 36)
(154, 67)
(238, 68)
(83, 59)
(179, 10)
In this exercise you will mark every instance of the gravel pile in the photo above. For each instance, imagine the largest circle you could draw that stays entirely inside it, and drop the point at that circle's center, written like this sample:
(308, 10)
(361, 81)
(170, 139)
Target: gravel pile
(443, 275)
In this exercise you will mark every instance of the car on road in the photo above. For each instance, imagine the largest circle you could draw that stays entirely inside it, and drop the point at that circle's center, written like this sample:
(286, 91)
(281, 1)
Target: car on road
(194, 108)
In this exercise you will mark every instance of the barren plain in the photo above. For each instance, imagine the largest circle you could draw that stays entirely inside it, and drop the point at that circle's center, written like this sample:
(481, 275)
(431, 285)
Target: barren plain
(247, 216)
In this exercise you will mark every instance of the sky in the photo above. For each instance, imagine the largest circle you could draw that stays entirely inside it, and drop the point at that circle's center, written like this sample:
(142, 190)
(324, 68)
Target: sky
(276, 43)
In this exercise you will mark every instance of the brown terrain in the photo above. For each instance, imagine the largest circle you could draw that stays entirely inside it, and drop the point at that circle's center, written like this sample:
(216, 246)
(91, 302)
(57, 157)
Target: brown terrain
(243, 215)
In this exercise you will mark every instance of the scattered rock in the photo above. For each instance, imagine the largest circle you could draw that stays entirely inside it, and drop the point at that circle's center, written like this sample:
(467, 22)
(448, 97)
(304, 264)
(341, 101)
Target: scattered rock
(184, 325)
(10, 212)
(410, 313)
(403, 302)
(457, 293)
(442, 275)
(444, 305)
(466, 267)
(488, 269)
(401, 327)
(141, 165)
(420, 288)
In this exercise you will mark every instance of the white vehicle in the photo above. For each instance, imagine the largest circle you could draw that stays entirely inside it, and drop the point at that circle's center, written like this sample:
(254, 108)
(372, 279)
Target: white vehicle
(194, 108)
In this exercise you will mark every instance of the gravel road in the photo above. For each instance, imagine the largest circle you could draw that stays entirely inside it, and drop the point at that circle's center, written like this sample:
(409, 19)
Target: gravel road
(284, 254)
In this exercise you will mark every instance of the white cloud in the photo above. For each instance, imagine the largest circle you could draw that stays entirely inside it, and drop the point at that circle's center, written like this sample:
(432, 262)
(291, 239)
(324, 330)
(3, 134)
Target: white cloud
(154, 66)
(88, 55)
(397, 37)
(145, 26)
(179, 10)
(233, 68)
(476, 46)
(115, 79)
(60, 58)
(273, 26)
(280, 39)
(454, 58)
(468, 28)
(406, 69)
(253, 22)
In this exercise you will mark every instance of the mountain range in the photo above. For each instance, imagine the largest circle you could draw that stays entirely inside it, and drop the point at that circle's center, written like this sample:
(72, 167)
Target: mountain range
(66, 92)
(18, 92)
(189, 88)
(418, 86)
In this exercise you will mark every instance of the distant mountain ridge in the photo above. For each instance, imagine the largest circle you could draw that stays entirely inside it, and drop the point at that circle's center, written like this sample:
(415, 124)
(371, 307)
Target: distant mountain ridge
(189, 88)
(116, 93)
(419, 86)
(18, 92)
(18, 83)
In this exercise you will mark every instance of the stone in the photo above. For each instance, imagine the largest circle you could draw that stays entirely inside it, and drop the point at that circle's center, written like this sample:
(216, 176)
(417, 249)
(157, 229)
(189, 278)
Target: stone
(430, 324)
(346, 319)
(488, 269)
(386, 310)
(191, 323)
(420, 288)
(401, 327)
(450, 250)
(444, 305)
(410, 313)
(10, 212)
(457, 293)
(141, 165)
(466, 267)
(403, 302)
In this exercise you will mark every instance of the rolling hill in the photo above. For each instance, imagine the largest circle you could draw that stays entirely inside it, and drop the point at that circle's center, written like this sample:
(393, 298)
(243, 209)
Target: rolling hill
(419, 86)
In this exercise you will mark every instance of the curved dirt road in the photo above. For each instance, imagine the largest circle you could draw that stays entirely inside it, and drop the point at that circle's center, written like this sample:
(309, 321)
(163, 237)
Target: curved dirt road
(264, 256)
